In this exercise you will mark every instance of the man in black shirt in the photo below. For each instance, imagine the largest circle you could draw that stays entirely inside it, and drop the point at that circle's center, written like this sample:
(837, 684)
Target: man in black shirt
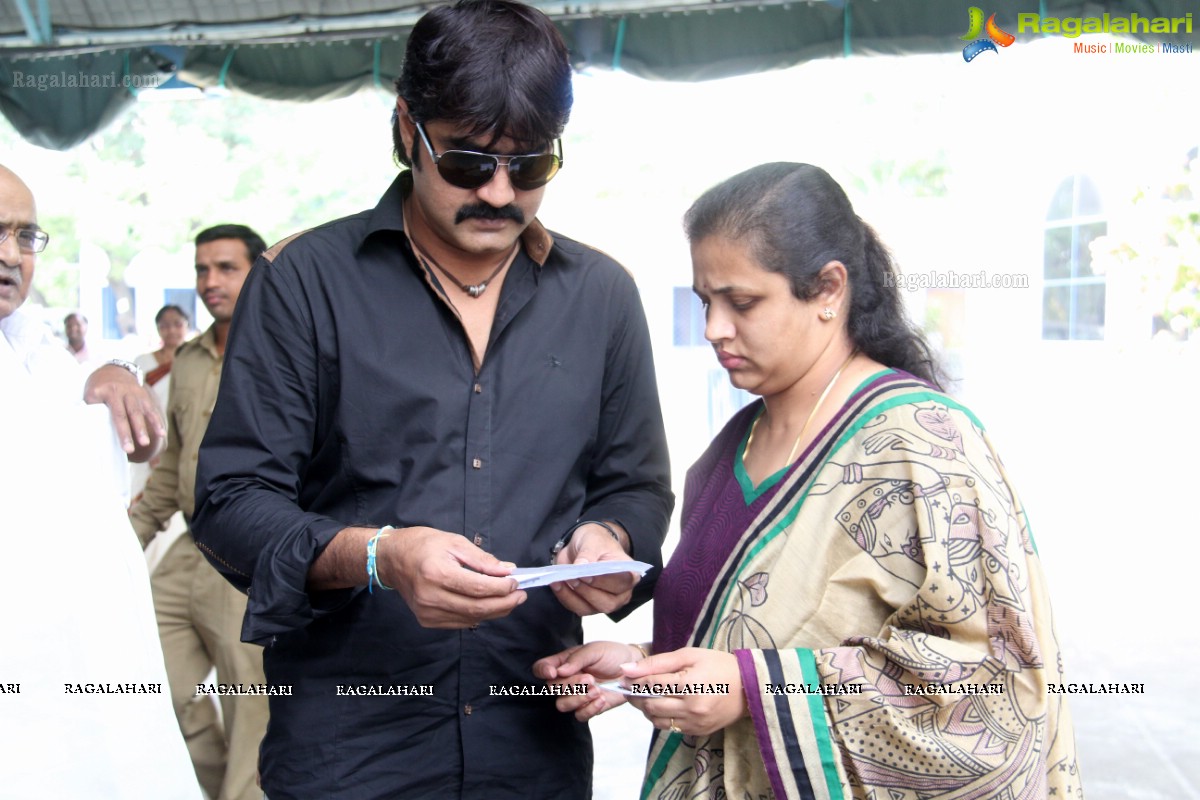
(418, 398)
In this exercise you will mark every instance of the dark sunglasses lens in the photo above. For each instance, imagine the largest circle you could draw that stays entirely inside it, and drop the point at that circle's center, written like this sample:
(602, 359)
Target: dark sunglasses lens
(532, 172)
(466, 170)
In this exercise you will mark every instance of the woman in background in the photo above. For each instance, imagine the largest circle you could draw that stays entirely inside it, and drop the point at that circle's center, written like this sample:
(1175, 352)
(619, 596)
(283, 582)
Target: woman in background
(854, 564)
(173, 325)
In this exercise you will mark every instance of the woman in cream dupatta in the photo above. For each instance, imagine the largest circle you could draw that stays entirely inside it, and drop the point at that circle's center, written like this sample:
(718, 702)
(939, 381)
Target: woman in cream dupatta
(869, 589)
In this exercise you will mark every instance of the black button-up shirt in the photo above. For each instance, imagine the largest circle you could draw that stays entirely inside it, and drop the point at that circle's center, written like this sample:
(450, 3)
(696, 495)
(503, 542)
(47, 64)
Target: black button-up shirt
(350, 397)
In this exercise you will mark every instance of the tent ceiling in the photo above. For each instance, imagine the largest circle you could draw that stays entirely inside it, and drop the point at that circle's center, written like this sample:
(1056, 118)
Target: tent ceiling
(117, 14)
(323, 48)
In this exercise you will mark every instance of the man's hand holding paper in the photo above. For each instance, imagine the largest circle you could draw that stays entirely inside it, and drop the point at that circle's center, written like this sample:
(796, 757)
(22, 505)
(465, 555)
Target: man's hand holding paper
(427, 567)
(597, 595)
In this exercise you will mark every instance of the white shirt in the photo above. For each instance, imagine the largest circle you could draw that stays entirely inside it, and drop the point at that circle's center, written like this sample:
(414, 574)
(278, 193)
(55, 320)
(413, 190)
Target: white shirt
(76, 616)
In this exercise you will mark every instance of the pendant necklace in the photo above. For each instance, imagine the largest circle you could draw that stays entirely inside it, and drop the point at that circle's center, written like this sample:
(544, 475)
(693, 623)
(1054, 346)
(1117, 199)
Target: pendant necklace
(472, 289)
(811, 414)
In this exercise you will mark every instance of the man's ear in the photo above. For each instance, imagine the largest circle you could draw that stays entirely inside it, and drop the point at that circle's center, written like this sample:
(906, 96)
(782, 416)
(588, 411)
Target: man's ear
(405, 122)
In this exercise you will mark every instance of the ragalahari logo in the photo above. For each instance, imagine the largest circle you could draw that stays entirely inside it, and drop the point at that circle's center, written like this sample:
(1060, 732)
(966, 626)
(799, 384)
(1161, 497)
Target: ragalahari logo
(995, 36)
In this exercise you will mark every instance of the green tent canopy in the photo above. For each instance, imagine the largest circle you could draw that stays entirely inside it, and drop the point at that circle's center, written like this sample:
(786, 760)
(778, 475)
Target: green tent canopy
(69, 67)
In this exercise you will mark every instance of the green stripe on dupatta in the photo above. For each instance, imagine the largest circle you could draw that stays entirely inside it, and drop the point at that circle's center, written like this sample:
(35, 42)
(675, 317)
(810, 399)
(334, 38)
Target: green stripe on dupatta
(816, 713)
(660, 764)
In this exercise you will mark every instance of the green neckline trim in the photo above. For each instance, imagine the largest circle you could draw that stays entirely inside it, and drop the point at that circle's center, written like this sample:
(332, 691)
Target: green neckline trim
(750, 492)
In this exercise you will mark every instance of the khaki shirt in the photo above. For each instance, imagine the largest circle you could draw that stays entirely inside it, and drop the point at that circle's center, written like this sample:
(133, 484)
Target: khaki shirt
(195, 378)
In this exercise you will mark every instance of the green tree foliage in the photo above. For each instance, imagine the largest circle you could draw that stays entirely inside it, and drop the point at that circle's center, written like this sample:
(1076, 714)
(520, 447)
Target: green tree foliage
(166, 170)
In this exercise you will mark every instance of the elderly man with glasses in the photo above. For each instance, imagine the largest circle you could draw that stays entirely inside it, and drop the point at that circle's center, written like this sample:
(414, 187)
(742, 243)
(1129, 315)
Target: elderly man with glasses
(85, 710)
(416, 399)
(117, 384)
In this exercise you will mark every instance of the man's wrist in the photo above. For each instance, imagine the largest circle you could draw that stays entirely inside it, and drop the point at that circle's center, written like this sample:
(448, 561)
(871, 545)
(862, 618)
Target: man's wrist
(130, 367)
(341, 565)
(373, 578)
(612, 531)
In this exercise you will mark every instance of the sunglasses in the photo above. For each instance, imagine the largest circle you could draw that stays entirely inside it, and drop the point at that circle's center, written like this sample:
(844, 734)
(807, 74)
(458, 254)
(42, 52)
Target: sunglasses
(469, 170)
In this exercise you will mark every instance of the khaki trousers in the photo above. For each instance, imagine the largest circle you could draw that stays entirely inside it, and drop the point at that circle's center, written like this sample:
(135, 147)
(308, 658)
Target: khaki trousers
(200, 622)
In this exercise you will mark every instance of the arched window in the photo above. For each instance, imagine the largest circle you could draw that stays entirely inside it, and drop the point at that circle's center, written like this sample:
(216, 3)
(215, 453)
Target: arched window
(1072, 294)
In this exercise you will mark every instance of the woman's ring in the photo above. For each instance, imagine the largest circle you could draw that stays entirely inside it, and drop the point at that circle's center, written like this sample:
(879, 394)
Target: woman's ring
(675, 728)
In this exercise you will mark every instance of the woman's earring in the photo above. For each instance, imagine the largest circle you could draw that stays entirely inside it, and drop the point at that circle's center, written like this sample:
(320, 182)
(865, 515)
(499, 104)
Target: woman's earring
(828, 313)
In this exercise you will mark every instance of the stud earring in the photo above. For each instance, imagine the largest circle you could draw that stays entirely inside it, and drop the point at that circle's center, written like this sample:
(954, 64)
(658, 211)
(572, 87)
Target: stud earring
(828, 313)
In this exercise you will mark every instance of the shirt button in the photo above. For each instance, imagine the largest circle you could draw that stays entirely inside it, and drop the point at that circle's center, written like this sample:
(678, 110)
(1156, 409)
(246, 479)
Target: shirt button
(467, 709)
(477, 463)
(478, 389)
(475, 627)
(478, 540)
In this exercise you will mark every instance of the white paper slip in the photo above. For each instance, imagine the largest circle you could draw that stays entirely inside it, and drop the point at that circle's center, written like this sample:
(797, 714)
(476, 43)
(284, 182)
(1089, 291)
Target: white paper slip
(615, 686)
(529, 577)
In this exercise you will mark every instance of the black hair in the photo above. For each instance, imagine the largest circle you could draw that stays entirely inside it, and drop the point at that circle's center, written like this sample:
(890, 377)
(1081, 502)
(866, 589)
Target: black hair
(795, 219)
(162, 312)
(255, 246)
(495, 67)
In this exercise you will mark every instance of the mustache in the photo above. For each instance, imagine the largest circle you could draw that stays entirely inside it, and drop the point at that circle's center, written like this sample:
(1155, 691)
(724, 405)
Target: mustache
(11, 273)
(484, 211)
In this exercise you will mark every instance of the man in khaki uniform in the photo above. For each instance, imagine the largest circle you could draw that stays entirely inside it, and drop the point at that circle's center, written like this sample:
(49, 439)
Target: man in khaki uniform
(199, 612)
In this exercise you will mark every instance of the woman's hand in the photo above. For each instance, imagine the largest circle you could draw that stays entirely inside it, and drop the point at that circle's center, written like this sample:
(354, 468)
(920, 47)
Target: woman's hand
(718, 703)
(587, 664)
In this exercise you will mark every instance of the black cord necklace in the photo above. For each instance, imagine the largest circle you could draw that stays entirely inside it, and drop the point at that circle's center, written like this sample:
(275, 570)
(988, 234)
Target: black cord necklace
(472, 289)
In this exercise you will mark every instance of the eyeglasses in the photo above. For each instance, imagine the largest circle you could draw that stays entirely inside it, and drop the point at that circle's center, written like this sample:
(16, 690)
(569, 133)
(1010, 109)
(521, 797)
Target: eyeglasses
(469, 170)
(31, 240)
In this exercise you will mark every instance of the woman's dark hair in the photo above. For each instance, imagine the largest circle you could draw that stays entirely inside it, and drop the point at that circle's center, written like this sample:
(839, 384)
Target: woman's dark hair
(495, 67)
(795, 219)
(162, 312)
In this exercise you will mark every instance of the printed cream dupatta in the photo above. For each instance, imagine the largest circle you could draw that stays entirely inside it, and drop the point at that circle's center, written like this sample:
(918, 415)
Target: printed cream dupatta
(891, 623)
